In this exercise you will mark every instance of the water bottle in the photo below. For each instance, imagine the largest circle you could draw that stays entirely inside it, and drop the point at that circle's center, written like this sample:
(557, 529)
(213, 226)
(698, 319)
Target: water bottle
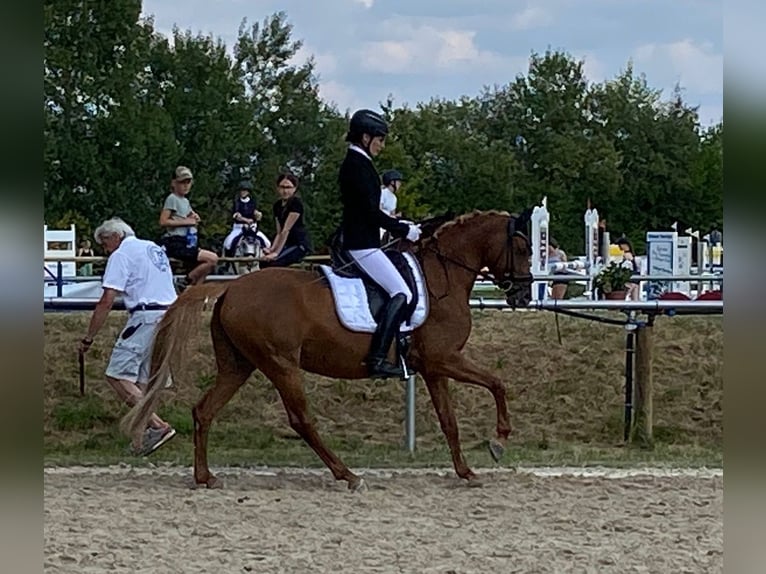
(191, 238)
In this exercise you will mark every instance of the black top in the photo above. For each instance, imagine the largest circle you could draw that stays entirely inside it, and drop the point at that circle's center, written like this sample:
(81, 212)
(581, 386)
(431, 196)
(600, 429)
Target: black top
(244, 208)
(298, 233)
(360, 195)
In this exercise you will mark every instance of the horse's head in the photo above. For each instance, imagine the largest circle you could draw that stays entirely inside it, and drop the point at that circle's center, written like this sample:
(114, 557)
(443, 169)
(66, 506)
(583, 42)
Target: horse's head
(495, 241)
(511, 265)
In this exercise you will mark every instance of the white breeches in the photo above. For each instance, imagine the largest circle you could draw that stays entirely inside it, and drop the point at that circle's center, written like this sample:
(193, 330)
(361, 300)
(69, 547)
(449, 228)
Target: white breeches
(380, 269)
(236, 230)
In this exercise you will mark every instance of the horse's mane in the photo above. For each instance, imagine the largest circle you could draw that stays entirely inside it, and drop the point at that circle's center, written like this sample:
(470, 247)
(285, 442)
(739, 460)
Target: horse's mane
(461, 219)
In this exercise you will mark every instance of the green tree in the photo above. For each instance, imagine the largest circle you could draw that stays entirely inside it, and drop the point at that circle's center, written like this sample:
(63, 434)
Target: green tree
(123, 105)
(89, 63)
(707, 177)
(291, 129)
(550, 119)
(658, 142)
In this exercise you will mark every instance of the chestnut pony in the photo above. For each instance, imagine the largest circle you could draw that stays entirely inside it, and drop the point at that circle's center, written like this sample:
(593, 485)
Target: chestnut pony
(297, 329)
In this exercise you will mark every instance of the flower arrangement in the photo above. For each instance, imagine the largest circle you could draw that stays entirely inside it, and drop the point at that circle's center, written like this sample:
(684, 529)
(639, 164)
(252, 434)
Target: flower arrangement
(613, 278)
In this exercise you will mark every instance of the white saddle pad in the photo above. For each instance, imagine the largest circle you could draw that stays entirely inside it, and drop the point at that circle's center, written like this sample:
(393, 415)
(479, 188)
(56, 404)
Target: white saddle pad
(352, 306)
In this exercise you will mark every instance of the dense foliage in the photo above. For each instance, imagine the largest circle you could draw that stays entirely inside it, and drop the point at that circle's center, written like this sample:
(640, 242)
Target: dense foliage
(124, 105)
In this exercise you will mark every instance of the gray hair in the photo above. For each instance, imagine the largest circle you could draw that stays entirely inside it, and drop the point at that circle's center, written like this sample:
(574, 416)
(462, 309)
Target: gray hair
(113, 226)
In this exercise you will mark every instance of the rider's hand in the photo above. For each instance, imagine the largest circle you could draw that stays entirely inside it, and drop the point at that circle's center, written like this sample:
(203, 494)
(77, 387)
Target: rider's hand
(195, 216)
(414, 233)
(258, 215)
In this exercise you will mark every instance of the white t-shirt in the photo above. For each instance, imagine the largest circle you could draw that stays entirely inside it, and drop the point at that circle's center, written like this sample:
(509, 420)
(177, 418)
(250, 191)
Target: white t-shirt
(140, 270)
(387, 201)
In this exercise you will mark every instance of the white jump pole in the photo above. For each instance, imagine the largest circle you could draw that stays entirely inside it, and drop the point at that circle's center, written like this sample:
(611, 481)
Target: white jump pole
(540, 224)
(591, 245)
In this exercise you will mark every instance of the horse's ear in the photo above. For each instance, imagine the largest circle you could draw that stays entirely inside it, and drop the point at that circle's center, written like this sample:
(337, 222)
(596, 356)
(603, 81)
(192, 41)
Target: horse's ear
(524, 218)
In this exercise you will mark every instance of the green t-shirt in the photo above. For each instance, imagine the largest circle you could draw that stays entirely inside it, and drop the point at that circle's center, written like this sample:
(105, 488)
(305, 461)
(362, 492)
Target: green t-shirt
(180, 208)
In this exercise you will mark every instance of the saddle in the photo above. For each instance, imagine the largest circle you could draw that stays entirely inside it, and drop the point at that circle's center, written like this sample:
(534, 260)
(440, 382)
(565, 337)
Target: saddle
(344, 266)
(359, 301)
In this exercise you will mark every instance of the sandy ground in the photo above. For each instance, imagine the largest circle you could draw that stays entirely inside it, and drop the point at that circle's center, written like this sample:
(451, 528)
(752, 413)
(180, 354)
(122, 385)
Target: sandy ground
(150, 521)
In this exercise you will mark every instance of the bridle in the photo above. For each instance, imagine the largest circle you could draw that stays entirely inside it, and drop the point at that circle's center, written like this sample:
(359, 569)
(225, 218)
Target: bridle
(509, 278)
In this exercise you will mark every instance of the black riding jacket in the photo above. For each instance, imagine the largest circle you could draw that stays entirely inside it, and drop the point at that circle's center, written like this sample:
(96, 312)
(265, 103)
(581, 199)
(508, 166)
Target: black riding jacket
(244, 208)
(360, 195)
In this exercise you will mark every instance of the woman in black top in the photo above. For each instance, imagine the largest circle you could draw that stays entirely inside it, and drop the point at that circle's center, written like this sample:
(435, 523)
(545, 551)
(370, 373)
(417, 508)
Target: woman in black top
(361, 224)
(291, 243)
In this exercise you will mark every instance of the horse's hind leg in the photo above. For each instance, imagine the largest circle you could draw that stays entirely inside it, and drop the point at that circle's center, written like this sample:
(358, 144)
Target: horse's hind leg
(227, 382)
(233, 371)
(289, 384)
(437, 388)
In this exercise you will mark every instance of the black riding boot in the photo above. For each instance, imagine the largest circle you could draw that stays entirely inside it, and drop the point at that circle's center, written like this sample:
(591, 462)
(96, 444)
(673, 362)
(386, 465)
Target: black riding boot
(388, 326)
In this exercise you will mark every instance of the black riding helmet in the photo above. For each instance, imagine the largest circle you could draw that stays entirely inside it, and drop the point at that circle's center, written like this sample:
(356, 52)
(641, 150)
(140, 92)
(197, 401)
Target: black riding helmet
(366, 122)
(391, 175)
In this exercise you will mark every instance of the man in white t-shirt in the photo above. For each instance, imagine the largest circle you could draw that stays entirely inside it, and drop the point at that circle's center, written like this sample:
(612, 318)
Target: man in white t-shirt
(392, 181)
(140, 271)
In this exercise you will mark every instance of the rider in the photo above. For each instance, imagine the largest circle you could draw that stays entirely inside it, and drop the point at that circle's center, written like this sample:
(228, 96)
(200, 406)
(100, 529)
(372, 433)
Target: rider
(362, 218)
(392, 181)
(244, 212)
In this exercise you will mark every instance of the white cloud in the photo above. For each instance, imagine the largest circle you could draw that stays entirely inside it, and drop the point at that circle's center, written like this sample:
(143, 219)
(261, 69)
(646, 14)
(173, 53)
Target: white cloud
(325, 63)
(695, 66)
(425, 48)
(531, 17)
(365, 3)
(339, 94)
(388, 56)
(594, 69)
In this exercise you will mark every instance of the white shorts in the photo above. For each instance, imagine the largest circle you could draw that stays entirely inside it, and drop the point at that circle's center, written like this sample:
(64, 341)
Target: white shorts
(379, 268)
(131, 358)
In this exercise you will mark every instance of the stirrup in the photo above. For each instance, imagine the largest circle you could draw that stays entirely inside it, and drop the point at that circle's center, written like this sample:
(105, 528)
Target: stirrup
(402, 350)
(382, 369)
(407, 372)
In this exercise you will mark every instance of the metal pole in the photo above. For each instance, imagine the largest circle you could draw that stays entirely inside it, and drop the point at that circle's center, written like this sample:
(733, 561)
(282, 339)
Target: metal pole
(629, 351)
(409, 422)
(60, 279)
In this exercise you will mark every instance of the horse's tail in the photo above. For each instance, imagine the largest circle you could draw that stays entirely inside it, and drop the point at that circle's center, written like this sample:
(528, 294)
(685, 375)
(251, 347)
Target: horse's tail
(170, 345)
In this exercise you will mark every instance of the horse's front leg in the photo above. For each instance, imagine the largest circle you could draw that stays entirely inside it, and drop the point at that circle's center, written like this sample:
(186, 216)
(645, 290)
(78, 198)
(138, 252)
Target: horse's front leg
(437, 388)
(461, 369)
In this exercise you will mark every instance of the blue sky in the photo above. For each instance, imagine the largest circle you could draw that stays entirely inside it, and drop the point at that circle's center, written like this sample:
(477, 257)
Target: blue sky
(418, 49)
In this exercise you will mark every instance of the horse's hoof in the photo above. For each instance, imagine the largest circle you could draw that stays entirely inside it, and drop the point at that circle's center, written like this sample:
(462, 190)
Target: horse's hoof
(358, 486)
(214, 483)
(473, 481)
(496, 449)
(469, 479)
